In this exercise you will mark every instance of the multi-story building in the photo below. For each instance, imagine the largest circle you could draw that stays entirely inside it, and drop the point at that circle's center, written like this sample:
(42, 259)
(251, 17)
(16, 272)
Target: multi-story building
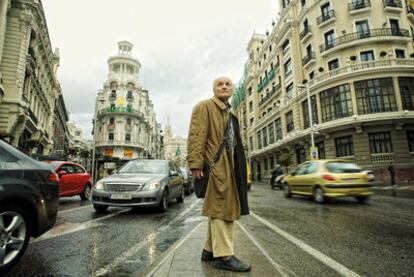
(78, 148)
(126, 125)
(357, 60)
(175, 148)
(28, 81)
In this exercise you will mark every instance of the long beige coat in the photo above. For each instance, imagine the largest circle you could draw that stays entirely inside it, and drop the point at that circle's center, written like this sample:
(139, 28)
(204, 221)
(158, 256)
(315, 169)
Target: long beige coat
(207, 126)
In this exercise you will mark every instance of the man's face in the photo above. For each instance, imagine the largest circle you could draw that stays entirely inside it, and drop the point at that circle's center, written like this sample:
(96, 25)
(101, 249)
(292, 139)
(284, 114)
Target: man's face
(223, 88)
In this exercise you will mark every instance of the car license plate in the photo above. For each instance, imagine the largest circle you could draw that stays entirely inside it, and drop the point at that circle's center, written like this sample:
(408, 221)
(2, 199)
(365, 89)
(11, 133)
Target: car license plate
(122, 196)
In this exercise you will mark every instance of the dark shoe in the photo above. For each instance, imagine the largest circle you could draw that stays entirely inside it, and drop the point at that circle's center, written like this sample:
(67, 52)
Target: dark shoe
(232, 264)
(207, 256)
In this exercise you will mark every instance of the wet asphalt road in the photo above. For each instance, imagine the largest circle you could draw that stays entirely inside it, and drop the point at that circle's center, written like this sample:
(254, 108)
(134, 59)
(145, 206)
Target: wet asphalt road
(374, 239)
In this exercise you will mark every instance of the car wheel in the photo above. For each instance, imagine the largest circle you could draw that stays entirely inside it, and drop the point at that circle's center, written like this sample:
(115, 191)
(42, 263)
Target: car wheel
(286, 191)
(86, 193)
(362, 199)
(163, 206)
(319, 195)
(14, 235)
(100, 208)
(180, 199)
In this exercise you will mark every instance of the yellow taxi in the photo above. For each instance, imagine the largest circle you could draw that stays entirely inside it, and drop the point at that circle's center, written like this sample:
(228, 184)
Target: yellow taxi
(324, 179)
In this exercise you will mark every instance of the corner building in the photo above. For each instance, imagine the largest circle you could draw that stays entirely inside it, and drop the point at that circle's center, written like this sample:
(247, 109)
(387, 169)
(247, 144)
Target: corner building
(357, 60)
(126, 121)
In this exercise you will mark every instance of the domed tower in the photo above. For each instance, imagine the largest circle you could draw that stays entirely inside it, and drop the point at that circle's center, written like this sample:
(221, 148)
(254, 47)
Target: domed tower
(126, 125)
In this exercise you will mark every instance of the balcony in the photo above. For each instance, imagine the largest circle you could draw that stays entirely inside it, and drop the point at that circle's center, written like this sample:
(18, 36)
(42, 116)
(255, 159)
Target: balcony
(357, 6)
(274, 90)
(305, 34)
(372, 33)
(266, 80)
(392, 6)
(111, 126)
(325, 19)
(308, 59)
(120, 110)
(382, 158)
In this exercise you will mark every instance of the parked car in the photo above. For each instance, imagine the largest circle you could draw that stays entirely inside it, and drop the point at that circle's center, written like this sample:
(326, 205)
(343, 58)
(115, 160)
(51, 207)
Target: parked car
(74, 179)
(188, 180)
(324, 179)
(29, 200)
(149, 183)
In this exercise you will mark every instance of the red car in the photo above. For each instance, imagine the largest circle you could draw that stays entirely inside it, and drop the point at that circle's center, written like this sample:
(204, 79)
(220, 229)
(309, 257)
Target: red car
(74, 180)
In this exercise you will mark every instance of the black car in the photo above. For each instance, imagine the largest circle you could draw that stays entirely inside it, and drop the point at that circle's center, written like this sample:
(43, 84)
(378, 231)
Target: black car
(188, 180)
(29, 200)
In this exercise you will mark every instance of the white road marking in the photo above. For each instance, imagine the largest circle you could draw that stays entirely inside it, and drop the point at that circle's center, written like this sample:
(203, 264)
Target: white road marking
(74, 209)
(173, 249)
(136, 248)
(282, 271)
(65, 229)
(341, 269)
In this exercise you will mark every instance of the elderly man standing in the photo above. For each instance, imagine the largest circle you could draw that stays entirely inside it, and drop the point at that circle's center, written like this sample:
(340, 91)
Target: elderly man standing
(211, 124)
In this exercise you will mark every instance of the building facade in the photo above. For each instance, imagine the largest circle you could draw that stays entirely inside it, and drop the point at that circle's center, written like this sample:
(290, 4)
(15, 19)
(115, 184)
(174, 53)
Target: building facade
(126, 126)
(175, 148)
(78, 149)
(356, 60)
(28, 84)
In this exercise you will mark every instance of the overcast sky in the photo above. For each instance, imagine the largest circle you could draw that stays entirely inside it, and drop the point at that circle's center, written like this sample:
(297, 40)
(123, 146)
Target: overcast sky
(182, 46)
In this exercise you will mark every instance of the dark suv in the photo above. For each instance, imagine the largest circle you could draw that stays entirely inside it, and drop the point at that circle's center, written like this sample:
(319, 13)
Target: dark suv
(29, 200)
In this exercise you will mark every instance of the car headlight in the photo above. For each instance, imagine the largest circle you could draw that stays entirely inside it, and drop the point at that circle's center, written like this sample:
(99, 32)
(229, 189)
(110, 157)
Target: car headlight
(99, 186)
(152, 186)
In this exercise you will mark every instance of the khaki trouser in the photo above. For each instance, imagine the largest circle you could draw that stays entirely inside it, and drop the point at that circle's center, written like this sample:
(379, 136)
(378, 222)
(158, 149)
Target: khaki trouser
(220, 237)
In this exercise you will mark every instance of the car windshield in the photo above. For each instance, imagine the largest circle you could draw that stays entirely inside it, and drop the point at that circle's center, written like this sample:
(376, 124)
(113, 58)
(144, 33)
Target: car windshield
(145, 167)
(338, 167)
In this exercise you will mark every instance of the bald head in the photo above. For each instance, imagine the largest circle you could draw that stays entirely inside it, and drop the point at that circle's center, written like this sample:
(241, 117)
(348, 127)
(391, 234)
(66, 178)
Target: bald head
(223, 88)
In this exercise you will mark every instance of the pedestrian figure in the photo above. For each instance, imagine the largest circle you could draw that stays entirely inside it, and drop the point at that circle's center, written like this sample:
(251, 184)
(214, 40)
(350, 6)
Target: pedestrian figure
(225, 201)
(392, 174)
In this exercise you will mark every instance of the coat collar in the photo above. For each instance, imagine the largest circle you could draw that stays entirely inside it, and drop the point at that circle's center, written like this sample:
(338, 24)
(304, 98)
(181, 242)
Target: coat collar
(219, 103)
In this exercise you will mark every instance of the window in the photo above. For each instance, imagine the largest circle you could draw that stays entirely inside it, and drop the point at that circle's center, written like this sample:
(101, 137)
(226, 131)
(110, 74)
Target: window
(407, 92)
(264, 135)
(289, 90)
(128, 121)
(410, 138)
(288, 68)
(250, 90)
(344, 146)
(250, 106)
(251, 121)
(111, 120)
(251, 143)
(270, 129)
(300, 155)
(325, 9)
(259, 139)
(375, 96)
(303, 2)
(129, 94)
(400, 53)
(270, 48)
(380, 142)
(395, 27)
(329, 39)
(278, 129)
(111, 136)
(321, 150)
(128, 137)
(367, 56)
(285, 46)
(333, 64)
(311, 75)
(78, 169)
(289, 122)
(314, 109)
(266, 167)
(362, 29)
(336, 102)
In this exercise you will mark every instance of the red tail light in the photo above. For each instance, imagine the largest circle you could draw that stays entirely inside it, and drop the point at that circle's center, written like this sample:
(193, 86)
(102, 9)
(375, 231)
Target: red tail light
(328, 177)
(53, 177)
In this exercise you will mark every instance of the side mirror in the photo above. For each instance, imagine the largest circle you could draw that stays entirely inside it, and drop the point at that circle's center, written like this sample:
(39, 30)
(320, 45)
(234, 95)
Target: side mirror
(62, 172)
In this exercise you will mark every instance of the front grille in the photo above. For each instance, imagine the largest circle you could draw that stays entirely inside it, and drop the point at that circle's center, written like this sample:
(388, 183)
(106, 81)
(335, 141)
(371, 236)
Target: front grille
(122, 187)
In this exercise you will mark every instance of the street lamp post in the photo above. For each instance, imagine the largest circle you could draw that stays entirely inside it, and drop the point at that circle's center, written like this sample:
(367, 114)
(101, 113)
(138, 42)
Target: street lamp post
(310, 118)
